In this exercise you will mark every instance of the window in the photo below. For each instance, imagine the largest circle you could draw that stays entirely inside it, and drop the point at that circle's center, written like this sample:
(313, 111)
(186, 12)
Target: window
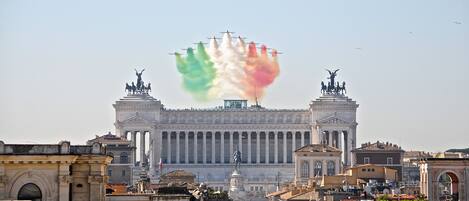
(318, 168)
(366, 160)
(389, 160)
(30, 191)
(330, 168)
(109, 172)
(123, 173)
(124, 158)
(363, 170)
(305, 169)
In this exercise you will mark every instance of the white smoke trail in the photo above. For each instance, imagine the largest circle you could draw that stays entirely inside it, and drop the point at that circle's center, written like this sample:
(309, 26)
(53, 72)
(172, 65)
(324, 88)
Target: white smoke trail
(229, 61)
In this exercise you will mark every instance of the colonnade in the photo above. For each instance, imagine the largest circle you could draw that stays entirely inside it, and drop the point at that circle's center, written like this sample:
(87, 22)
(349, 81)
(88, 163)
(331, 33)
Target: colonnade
(133, 140)
(217, 147)
(338, 138)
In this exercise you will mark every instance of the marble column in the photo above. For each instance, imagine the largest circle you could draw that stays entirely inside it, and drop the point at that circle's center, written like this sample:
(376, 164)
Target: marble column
(316, 135)
(330, 138)
(142, 148)
(240, 143)
(213, 146)
(169, 147)
(275, 147)
(339, 141)
(249, 147)
(345, 152)
(133, 141)
(186, 144)
(266, 147)
(353, 142)
(204, 147)
(285, 147)
(258, 147)
(231, 146)
(320, 136)
(222, 147)
(195, 148)
(302, 135)
(178, 148)
(293, 146)
(155, 147)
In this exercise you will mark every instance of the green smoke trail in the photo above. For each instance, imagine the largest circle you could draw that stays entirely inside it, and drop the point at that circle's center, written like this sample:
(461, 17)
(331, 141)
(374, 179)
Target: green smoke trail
(197, 71)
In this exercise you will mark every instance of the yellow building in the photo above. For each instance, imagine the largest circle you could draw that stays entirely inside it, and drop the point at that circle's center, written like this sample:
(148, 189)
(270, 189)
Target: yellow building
(360, 174)
(53, 172)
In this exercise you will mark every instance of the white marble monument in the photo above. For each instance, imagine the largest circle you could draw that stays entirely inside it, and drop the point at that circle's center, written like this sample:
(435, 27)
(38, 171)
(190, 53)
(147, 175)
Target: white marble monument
(201, 140)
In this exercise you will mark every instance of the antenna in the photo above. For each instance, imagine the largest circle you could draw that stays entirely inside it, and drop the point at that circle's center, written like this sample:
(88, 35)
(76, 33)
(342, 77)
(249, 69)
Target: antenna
(255, 95)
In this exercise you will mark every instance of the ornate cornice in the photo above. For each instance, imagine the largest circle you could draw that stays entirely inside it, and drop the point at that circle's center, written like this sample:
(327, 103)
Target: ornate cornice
(236, 127)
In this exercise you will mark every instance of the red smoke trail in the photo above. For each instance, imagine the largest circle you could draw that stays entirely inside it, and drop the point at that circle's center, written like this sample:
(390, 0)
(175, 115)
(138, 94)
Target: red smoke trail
(261, 71)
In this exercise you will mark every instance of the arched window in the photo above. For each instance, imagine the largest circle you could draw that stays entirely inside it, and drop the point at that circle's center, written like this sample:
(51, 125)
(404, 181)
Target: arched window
(448, 186)
(305, 169)
(124, 158)
(330, 168)
(30, 192)
(318, 168)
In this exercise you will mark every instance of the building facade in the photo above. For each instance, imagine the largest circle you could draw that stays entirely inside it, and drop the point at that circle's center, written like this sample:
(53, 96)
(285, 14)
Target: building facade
(120, 169)
(445, 178)
(53, 172)
(380, 153)
(316, 160)
(202, 141)
(411, 171)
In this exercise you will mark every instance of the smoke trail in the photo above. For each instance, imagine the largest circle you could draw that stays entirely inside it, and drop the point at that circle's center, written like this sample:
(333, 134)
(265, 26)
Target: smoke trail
(261, 71)
(229, 62)
(197, 71)
(227, 70)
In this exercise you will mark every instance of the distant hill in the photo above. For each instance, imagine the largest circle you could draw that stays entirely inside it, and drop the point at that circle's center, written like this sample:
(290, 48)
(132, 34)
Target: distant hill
(466, 150)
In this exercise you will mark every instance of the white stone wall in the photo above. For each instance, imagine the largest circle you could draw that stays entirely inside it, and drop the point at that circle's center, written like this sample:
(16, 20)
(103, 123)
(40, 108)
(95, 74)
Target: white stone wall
(335, 113)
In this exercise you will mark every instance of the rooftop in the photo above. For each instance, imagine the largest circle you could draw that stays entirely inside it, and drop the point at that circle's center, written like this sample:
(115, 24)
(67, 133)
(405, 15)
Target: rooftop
(447, 159)
(317, 148)
(379, 146)
(108, 138)
(62, 148)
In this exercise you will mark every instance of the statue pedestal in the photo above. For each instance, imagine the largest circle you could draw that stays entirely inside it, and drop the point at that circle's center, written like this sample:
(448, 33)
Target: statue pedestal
(237, 192)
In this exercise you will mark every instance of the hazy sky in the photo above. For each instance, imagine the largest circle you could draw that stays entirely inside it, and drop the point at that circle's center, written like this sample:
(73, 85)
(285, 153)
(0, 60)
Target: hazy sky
(62, 65)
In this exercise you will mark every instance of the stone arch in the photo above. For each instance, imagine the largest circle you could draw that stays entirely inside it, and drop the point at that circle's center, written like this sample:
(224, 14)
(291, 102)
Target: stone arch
(32, 176)
(455, 177)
